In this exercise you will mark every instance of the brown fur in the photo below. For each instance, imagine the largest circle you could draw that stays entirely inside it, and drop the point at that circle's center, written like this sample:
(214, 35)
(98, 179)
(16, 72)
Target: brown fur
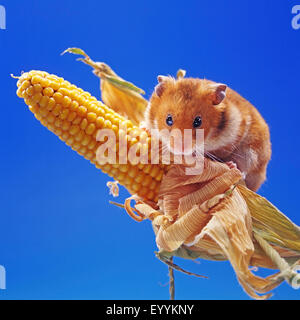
(249, 147)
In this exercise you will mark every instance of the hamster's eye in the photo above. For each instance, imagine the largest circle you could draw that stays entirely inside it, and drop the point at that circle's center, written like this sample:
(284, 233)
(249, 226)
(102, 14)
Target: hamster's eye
(197, 122)
(169, 120)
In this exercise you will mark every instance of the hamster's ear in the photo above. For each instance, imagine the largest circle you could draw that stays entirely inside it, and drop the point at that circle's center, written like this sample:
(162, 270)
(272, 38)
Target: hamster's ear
(161, 79)
(218, 93)
(159, 89)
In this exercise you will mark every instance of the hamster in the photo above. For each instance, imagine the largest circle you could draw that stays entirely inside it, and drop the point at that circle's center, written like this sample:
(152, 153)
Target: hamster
(234, 131)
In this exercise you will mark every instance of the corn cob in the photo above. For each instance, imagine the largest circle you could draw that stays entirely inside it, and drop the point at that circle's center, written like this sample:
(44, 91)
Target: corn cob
(75, 117)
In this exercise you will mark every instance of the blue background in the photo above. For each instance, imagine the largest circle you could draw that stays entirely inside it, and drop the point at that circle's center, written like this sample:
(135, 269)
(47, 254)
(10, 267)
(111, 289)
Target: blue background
(59, 237)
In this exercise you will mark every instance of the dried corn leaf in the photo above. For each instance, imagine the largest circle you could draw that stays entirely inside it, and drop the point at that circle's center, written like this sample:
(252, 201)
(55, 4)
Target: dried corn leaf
(270, 223)
(124, 101)
(120, 95)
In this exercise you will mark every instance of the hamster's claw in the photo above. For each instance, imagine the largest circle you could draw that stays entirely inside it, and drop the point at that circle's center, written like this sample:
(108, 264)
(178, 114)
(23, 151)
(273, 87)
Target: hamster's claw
(231, 165)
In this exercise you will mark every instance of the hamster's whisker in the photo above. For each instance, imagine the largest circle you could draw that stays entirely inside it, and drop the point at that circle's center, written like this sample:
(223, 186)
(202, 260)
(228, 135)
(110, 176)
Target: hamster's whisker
(237, 154)
(213, 157)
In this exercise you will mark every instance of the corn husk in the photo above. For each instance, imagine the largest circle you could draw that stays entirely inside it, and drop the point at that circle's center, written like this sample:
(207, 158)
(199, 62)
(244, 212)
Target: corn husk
(211, 215)
(214, 220)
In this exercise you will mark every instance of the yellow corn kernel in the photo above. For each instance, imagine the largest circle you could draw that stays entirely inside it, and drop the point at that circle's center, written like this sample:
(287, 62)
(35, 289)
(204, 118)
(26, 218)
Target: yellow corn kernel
(66, 125)
(58, 122)
(100, 122)
(57, 109)
(58, 97)
(90, 129)
(66, 101)
(44, 101)
(74, 105)
(86, 140)
(91, 117)
(37, 97)
(26, 84)
(65, 135)
(92, 144)
(74, 129)
(51, 104)
(64, 114)
(77, 120)
(82, 111)
(84, 123)
(72, 116)
(48, 91)
(79, 136)
(37, 88)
